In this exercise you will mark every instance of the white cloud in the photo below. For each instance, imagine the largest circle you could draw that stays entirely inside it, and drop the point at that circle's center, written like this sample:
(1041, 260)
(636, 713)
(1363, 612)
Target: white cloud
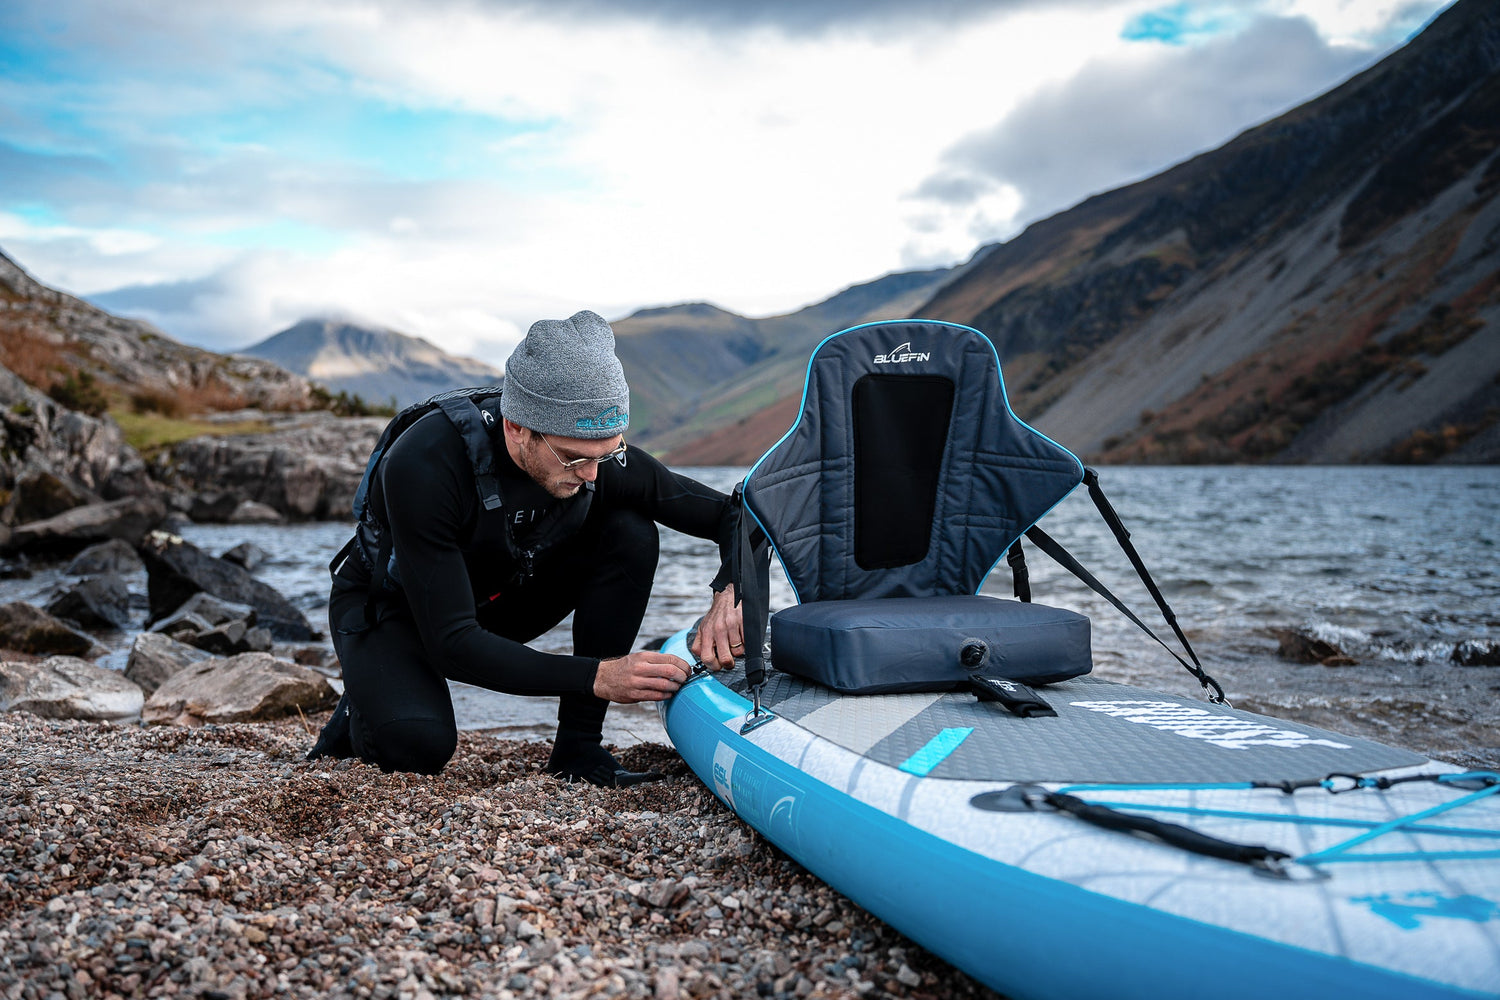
(603, 162)
(1131, 113)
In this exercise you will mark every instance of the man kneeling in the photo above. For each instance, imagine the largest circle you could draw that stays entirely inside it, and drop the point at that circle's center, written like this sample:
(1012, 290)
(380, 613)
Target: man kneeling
(486, 533)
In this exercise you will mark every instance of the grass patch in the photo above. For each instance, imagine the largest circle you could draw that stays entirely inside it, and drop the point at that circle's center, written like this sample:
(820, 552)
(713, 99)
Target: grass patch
(150, 433)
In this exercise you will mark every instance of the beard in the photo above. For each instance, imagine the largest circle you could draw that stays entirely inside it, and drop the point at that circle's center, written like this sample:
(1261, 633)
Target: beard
(543, 469)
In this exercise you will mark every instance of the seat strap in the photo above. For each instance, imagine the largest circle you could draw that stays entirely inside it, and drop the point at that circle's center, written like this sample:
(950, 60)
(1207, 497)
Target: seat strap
(1019, 575)
(1064, 558)
(1096, 493)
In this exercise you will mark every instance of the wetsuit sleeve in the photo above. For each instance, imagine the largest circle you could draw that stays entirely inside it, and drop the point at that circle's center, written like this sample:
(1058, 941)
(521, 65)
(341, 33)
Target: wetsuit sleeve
(431, 506)
(679, 502)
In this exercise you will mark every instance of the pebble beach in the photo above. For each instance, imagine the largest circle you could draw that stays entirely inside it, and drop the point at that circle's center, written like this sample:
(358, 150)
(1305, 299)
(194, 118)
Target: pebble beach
(216, 863)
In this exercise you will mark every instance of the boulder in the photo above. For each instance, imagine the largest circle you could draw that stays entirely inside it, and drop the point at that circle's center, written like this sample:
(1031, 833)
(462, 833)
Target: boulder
(317, 657)
(307, 466)
(246, 688)
(40, 494)
(1477, 653)
(176, 570)
(213, 508)
(254, 512)
(29, 629)
(65, 687)
(114, 556)
(128, 520)
(99, 602)
(38, 435)
(206, 610)
(1303, 647)
(246, 554)
(217, 626)
(155, 657)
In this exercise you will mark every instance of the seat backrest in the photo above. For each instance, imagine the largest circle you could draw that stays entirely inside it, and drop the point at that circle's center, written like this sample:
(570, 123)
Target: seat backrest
(906, 473)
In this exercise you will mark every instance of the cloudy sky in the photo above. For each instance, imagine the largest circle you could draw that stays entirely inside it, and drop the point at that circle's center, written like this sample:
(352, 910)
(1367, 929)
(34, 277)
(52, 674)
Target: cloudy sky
(457, 169)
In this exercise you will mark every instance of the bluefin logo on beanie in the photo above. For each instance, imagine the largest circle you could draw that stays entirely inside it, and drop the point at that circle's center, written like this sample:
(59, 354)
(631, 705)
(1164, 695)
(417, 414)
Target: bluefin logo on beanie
(564, 379)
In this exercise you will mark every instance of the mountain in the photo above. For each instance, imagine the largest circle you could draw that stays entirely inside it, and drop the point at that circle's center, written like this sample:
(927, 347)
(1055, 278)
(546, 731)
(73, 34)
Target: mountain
(696, 370)
(1322, 288)
(1319, 289)
(56, 342)
(376, 364)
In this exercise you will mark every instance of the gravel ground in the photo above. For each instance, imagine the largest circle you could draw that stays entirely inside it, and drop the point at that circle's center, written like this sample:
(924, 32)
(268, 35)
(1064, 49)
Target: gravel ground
(216, 863)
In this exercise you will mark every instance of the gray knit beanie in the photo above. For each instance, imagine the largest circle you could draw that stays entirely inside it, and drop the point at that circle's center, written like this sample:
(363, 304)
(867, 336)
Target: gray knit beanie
(564, 379)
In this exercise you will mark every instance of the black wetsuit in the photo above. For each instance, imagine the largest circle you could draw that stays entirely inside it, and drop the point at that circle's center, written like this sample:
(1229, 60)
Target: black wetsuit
(466, 605)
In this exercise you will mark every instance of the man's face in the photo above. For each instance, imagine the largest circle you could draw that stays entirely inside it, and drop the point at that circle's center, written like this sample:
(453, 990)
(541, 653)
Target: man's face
(542, 458)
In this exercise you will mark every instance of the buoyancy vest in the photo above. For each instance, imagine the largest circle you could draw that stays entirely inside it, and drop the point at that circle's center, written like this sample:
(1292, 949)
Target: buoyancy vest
(474, 413)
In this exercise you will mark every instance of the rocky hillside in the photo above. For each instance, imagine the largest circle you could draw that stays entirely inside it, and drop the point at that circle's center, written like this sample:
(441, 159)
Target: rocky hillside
(698, 371)
(91, 359)
(1323, 288)
(378, 365)
(71, 375)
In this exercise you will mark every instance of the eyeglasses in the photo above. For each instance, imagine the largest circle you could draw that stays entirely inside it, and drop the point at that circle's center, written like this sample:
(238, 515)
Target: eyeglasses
(577, 463)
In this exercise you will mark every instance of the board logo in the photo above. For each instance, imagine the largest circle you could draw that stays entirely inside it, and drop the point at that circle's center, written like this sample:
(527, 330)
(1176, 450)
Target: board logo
(724, 759)
(1408, 911)
(1200, 724)
(901, 355)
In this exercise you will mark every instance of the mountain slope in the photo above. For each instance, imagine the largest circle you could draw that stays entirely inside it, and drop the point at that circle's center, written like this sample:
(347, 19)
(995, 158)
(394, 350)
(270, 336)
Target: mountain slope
(1325, 287)
(376, 364)
(696, 369)
(48, 337)
(1314, 290)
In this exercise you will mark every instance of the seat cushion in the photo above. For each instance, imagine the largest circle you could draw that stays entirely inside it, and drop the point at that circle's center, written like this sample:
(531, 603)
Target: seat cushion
(915, 643)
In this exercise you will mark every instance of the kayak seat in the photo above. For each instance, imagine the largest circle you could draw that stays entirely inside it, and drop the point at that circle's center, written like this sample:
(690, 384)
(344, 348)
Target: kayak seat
(903, 482)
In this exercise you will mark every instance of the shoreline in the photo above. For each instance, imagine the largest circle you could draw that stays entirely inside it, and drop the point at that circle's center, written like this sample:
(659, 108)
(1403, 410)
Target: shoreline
(214, 862)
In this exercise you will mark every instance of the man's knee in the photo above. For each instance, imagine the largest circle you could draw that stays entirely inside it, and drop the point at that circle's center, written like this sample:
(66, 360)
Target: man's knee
(414, 746)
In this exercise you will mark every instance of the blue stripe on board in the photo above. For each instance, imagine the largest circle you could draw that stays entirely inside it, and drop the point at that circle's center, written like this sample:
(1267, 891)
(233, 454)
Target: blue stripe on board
(936, 751)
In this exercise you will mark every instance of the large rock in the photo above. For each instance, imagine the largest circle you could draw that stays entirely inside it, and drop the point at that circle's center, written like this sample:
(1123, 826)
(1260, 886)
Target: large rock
(215, 625)
(246, 554)
(1301, 646)
(254, 512)
(246, 688)
(128, 520)
(39, 437)
(1477, 653)
(29, 629)
(114, 556)
(64, 687)
(40, 494)
(308, 466)
(176, 570)
(155, 657)
(100, 602)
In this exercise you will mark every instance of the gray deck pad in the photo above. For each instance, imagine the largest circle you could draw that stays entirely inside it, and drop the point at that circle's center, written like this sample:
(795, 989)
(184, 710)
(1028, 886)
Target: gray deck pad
(1103, 732)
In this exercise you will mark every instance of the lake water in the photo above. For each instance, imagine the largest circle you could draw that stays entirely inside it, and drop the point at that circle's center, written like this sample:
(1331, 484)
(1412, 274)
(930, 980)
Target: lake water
(1393, 565)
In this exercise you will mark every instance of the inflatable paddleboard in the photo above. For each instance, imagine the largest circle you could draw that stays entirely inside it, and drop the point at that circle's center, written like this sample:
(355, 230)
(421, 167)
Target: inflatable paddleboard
(1368, 871)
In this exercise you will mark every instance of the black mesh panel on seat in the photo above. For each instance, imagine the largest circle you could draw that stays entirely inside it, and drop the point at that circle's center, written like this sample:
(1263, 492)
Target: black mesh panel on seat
(900, 430)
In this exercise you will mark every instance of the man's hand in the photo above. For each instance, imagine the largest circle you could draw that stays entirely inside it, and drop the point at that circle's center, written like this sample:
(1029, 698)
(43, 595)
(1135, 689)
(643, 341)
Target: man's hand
(721, 634)
(643, 676)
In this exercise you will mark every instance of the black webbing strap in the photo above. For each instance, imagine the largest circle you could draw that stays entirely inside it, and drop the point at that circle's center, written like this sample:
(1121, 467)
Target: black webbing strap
(1174, 834)
(472, 425)
(1018, 699)
(1019, 575)
(378, 576)
(1064, 558)
(750, 568)
(1096, 493)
